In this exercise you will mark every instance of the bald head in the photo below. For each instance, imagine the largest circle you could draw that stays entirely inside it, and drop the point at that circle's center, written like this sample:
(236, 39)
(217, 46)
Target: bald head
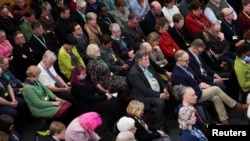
(182, 58)
(228, 13)
(146, 47)
(155, 7)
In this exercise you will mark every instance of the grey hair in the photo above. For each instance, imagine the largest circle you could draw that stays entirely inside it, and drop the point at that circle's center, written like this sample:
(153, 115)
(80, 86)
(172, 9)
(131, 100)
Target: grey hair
(198, 43)
(125, 123)
(90, 16)
(185, 113)
(139, 54)
(80, 3)
(125, 136)
(49, 56)
(113, 27)
(179, 91)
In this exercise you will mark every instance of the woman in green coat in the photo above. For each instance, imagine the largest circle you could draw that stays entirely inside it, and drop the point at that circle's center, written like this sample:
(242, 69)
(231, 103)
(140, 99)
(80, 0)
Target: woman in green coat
(40, 100)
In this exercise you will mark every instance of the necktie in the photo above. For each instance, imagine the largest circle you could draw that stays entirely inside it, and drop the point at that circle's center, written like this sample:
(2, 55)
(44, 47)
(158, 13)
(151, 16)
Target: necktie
(189, 73)
(54, 78)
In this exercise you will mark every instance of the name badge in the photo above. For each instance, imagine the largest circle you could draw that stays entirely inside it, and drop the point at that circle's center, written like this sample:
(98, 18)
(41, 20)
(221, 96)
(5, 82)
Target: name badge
(235, 37)
(111, 74)
(46, 98)
(154, 82)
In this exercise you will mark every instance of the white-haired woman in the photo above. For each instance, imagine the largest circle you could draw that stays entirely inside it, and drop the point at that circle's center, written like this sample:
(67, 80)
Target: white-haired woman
(186, 121)
(120, 45)
(126, 124)
(101, 75)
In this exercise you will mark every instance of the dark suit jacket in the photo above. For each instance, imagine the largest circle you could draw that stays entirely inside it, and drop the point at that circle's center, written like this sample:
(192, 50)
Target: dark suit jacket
(180, 40)
(148, 23)
(212, 61)
(105, 25)
(142, 134)
(132, 36)
(179, 76)
(39, 49)
(62, 29)
(117, 48)
(140, 86)
(196, 68)
(78, 18)
(107, 56)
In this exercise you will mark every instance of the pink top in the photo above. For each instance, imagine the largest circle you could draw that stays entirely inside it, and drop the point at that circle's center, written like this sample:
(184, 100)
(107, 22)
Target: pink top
(6, 48)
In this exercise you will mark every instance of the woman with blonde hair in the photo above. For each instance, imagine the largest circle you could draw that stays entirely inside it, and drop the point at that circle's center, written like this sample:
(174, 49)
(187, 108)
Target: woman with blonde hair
(92, 28)
(156, 55)
(40, 100)
(144, 132)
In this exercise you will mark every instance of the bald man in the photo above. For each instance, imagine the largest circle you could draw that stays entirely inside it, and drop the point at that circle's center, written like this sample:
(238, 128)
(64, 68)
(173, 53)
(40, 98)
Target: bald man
(149, 21)
(231, 29)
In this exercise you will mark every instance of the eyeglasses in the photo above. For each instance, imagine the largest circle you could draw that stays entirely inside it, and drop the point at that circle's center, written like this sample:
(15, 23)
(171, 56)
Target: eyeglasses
(117, 31)
(229, 13)
(185, 60)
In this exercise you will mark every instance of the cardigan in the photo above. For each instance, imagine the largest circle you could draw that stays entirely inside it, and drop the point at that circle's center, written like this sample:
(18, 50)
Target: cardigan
(64, 61)
(242, 71)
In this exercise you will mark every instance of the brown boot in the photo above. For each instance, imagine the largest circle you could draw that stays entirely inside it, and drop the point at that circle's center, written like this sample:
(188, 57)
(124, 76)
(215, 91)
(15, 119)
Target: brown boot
(242, 107)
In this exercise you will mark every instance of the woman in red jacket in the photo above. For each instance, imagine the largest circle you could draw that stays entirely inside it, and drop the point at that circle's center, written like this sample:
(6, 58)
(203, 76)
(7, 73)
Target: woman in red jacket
(196, 20)
(166, 42)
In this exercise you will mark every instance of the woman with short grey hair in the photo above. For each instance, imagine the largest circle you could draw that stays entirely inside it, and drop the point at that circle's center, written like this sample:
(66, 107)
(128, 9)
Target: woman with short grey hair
(186, 121)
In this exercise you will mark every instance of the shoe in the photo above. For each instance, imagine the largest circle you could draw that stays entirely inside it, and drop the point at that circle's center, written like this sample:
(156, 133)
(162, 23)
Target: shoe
(43, 133)
(225, 122)
(242, 107)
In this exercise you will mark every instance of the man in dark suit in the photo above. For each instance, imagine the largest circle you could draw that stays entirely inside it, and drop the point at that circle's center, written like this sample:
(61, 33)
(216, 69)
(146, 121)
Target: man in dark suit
(79, 13)
(104, 19)
(39, 43)
(149, 21)
(201, 69)
(183, 74)
(148, 87)
(62, 24)
(133, 32)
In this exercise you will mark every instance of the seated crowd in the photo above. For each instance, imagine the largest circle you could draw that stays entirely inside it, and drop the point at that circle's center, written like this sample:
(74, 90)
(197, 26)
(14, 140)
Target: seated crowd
(122, 63)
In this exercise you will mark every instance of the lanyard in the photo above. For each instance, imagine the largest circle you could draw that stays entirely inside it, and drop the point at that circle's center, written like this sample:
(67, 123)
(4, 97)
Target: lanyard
(143, 124)
(6, 76)
(42, 42)
(102, 63)
(230, 27)
(246, 14)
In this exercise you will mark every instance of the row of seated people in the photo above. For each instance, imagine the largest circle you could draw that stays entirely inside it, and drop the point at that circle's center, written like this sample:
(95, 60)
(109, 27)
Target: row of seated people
(104, 20)
(134, 37)
(69, 75)
(135, 79)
